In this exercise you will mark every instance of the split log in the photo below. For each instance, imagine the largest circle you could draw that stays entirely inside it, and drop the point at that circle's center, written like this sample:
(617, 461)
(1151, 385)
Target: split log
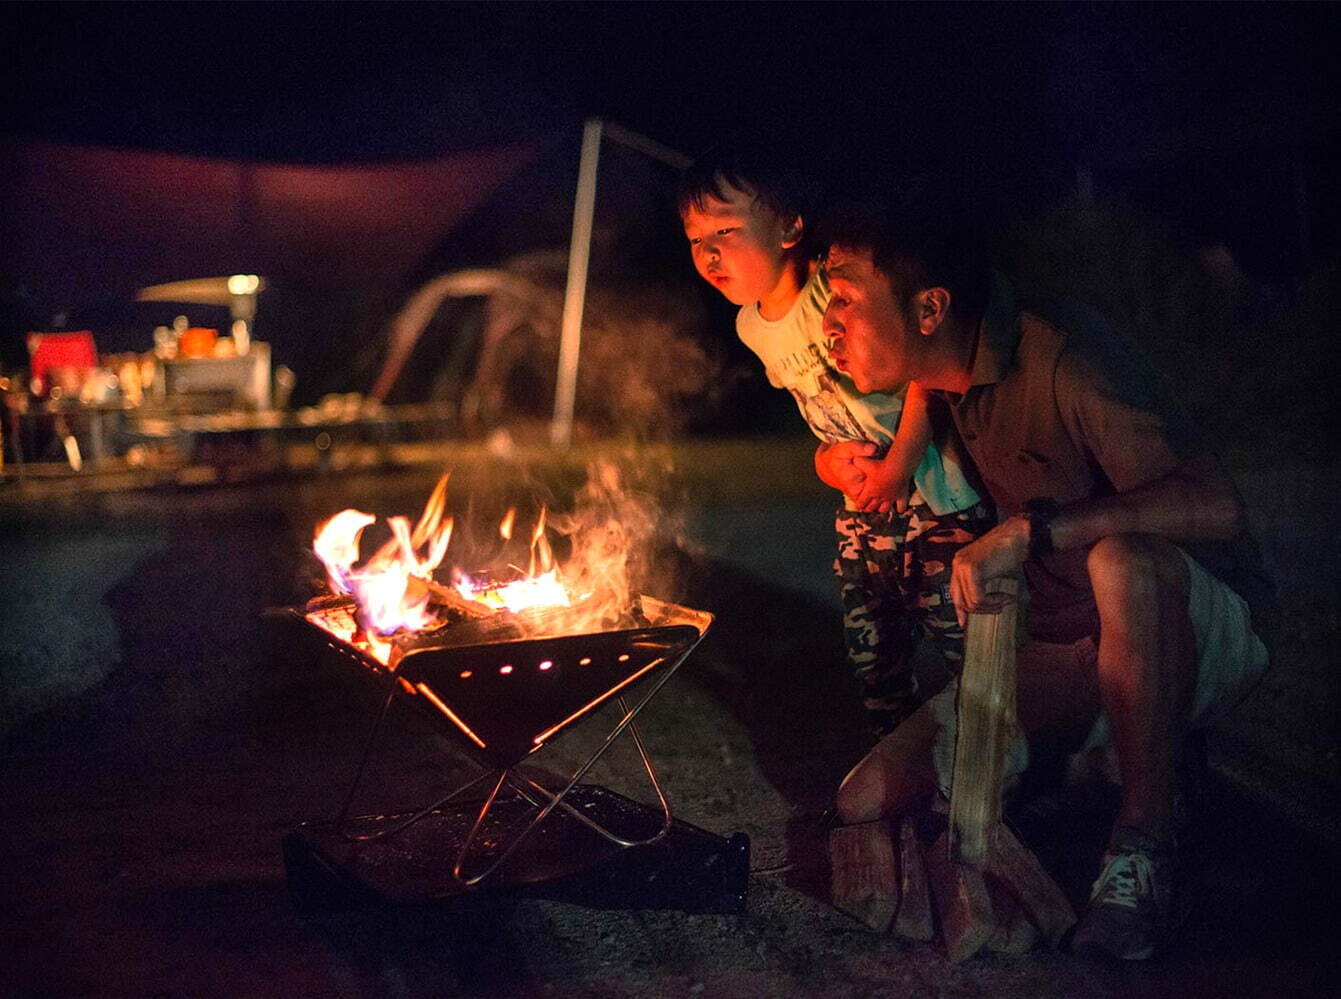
(966, 916)
(986, 724)
(1015, 933)
(1024, 877)
(865, 883)
(914, 918)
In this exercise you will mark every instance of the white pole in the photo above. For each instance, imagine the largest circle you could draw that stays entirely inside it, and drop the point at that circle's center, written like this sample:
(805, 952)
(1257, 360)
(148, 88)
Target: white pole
(575, 294)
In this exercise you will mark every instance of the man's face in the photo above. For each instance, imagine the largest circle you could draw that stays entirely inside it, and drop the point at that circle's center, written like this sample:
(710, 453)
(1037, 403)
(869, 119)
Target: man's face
(871, 336)
(739, 247)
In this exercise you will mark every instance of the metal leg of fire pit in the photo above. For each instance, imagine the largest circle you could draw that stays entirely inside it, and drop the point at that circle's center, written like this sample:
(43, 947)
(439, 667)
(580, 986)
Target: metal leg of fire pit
(557, 800)
(587, 820)
(363, 760)
(341, 823)
(524, 787)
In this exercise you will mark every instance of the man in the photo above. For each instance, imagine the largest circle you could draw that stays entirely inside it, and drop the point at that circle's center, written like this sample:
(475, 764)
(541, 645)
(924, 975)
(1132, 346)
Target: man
(1147, 605)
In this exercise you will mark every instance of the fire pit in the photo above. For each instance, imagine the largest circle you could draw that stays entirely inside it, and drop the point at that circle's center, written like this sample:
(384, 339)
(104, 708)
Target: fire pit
(499, 682)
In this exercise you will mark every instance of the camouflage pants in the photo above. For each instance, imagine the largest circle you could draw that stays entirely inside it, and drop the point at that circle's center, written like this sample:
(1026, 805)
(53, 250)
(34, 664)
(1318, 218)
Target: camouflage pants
(894, 579)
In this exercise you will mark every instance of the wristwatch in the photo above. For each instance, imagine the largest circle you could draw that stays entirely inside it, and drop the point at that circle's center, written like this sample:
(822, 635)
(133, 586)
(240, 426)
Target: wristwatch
(1040, 512)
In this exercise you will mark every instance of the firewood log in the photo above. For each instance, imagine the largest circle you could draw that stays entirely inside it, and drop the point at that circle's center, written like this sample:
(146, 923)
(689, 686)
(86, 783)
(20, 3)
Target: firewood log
(1014, 933)
(1023, 876)
(986, 724)
(914, 919)
(865, 883)
(962, 904)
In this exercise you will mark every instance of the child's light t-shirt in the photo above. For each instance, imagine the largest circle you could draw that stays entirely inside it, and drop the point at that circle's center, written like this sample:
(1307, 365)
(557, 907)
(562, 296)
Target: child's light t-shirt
(795, 354)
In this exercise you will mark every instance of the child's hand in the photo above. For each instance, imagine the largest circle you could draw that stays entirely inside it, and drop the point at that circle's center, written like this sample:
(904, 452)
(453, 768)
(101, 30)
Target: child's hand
(836, 465)
(886, 484)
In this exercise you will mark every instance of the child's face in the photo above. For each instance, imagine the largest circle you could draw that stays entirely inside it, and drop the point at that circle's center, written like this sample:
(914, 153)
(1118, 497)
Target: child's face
(739, 247)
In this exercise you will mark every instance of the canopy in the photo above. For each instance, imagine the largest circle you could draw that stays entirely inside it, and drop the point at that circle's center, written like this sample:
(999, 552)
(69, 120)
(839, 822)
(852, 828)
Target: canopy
(81, 224)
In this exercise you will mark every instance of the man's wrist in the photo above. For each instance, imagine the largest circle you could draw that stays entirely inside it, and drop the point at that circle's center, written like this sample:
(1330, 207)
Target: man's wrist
(1040, 512)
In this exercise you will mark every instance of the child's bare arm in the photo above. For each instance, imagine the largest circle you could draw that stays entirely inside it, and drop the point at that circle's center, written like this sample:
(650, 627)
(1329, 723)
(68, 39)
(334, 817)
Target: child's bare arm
(887, 479)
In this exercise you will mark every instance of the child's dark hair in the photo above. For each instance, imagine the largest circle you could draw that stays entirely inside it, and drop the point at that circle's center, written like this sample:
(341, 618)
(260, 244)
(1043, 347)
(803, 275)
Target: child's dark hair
(919, 236)
(765, 169)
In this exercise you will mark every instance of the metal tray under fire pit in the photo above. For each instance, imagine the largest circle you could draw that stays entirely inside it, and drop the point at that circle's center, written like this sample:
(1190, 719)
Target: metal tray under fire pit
(689, 869)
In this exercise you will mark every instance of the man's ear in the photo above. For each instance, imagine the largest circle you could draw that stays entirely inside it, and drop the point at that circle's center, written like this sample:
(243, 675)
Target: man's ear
(933, 308)
(792, 232)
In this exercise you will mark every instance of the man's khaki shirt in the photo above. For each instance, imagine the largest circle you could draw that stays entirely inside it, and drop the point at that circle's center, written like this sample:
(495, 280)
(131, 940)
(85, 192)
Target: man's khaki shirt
(1068, 408)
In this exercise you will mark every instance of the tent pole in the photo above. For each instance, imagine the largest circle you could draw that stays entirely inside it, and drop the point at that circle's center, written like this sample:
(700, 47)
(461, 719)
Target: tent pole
(575, 294)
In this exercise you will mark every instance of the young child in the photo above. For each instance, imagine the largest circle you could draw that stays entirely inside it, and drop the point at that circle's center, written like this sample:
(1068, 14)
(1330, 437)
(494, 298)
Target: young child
(742, 214)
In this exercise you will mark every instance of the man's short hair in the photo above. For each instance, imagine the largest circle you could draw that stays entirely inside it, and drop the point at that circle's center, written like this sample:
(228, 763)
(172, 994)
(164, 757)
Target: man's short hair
(763, 168)
(918, 237)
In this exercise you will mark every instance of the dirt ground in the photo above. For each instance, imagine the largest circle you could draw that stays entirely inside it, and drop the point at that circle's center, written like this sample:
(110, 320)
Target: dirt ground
(162, 735)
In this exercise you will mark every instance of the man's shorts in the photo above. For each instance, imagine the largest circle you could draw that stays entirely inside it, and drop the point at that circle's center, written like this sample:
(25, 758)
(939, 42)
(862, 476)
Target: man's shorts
(1054, 677)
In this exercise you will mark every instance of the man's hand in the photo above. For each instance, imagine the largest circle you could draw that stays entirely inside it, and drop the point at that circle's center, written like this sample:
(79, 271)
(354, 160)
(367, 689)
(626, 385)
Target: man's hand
(999, 552)
(835, 464)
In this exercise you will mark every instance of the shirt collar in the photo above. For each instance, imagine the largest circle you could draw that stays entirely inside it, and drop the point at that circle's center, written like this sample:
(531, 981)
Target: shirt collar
(998, 335)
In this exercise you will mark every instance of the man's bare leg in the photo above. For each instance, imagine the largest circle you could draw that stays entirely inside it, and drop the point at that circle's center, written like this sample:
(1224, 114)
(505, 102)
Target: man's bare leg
(894, 773)
(1147, 669)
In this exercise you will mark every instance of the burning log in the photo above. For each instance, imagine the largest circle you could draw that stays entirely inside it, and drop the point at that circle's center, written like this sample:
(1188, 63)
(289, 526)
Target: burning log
(449, 605)
(396, 603)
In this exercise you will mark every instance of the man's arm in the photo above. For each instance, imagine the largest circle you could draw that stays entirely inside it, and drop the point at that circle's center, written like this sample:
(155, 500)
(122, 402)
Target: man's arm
(888, 478)
(1195, 502)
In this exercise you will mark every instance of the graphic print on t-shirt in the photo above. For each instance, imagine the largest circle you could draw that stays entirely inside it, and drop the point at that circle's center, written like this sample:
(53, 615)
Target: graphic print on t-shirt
(807, 376)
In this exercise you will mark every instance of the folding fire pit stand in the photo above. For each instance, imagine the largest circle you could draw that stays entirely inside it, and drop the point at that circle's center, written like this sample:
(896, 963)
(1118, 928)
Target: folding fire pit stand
(500, 702)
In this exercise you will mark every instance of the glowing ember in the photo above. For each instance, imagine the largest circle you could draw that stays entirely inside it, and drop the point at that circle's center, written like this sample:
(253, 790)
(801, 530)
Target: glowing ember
(530, 592)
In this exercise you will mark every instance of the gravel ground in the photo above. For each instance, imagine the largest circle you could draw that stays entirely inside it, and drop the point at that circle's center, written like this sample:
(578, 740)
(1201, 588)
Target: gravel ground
(160, 739)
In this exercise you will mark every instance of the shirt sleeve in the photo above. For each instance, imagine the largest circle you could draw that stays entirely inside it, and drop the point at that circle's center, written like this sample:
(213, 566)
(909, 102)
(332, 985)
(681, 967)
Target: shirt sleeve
(1113, 400)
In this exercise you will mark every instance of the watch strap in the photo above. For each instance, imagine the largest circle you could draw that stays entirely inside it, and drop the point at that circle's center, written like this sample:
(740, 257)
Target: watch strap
(1040, 512)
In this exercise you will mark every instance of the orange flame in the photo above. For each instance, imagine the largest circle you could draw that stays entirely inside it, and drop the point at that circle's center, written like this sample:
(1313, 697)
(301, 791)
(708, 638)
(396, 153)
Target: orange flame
(394, 588)
(385, 588)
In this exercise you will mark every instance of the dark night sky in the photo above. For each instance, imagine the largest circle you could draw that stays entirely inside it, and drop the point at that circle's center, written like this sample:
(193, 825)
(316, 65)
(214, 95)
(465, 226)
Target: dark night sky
(1018, 93)
(322, 82)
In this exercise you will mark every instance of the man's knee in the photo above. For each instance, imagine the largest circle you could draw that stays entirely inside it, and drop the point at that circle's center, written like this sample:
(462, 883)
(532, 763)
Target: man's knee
(898, 769)
(861, 795)
(1137, 564)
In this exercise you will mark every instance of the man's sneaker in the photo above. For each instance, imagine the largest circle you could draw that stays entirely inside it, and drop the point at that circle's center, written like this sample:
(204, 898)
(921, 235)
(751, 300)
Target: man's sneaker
(1131, 904)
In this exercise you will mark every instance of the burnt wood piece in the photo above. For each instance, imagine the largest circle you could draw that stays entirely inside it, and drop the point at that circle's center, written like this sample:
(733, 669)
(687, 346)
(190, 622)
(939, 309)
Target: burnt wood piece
(1024, 877)
(1014, 933)
(865, 883)
(914, 919)
(960, 894)
(458, 608)
(986, 724)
